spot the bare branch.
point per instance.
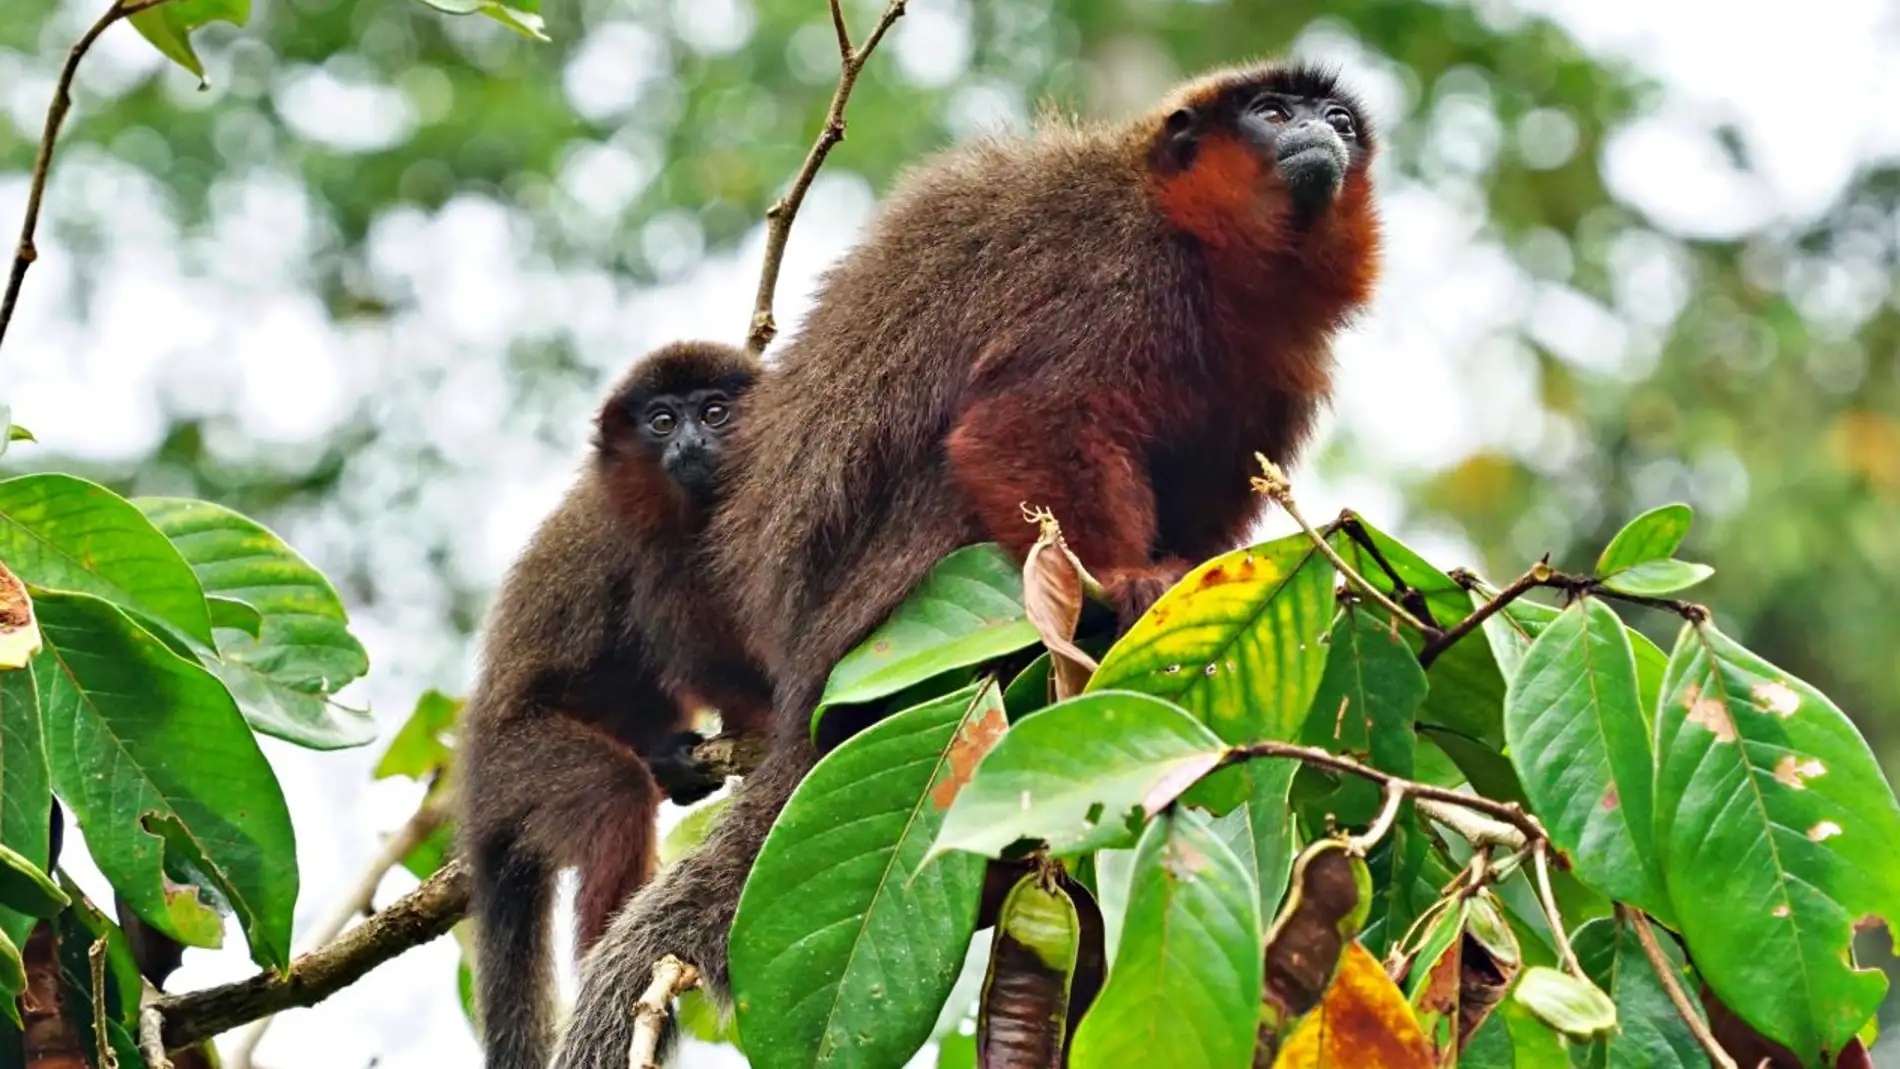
(1508, 812)
(1273, 483)
(27, 252)
(1667, 974)
(1539, 574)
(779, 217)
(410, 921)
(359, 902)
(1540, 857)
(671, 976)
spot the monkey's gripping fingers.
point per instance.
(1133, 591)
(681, 777)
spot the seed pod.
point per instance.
(1023, 1021)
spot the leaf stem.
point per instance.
(1274, 484)
(1388, 815)
(779, 217)
(1666, 972)
(27, 251)
(1540, 857)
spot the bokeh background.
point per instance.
(367, 285)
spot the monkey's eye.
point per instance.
(715, 413)
(1273, 113)
(662, 423)
(1340, 119)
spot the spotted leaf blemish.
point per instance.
(1777, 698)
(1795, 772)
(1824, 831)
(1709, 713)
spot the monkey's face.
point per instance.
(1306, 132)
(685, 434)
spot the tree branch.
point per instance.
(27, 252)
(671, 976)
(1540, 858)
(1666, 972)
(359, 902)
(779, 217)
(410, 921)
(1273, 483)
(1539, 573)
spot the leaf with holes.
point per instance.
(1649, 1032)
(1574, 723)
(1081, 775)
(968, 610)
(189, 803)
(1187, 971)
(1239, 642)
(1653, 536)
(65, 533)
(169, 27)
(1365, 707)
(849, 936)
(303, 650)
(1769, 802)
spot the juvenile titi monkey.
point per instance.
(1105, 320)
(604, 634)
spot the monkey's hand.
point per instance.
(1133, 591)
(674, 769)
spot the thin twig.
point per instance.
(1388, 815)
(671, 976)
(1407, 595)
(1508, 812)
(27, 252)
(1274, 484)
(779, 217)
(1578, 585)
(412, 920)
(1539, 573)
(1666, 972)
(361, 901)
(1540, 857)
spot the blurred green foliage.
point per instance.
(1763, 396)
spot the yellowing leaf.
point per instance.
(1363, 1022)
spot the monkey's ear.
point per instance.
(1180, 137)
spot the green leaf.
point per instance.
(1364, 708)
(12, 978)
(1487, 770)
(1562, 1001)
(1081, 775)
(521, 18)
(1650, 1032)
(1653, 536)
(1658, 578)
(26, 889)
(1511, 631)
(968, 610)
(1513, 1038)
(1574, 723)
(234, 615)
(1467, 693)
(691, 830)
(189, 795)
(1769, 802)
(169, 27)
(26, 789)
(65, 533)
(1238, 642)
(1187, 973)
(417, 750)
(847, 942)
(1260, 832)
(303, 651)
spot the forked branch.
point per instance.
(27, 252)
(779, 217)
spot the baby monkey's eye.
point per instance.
(1340, 119)
(662, 423)
(715, 413)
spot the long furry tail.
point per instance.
(686, 912)
(513, 976)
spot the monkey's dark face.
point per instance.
(1305, 129)
(685, 433)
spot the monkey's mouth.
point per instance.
(1312, 162)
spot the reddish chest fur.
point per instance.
(1276, 296)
